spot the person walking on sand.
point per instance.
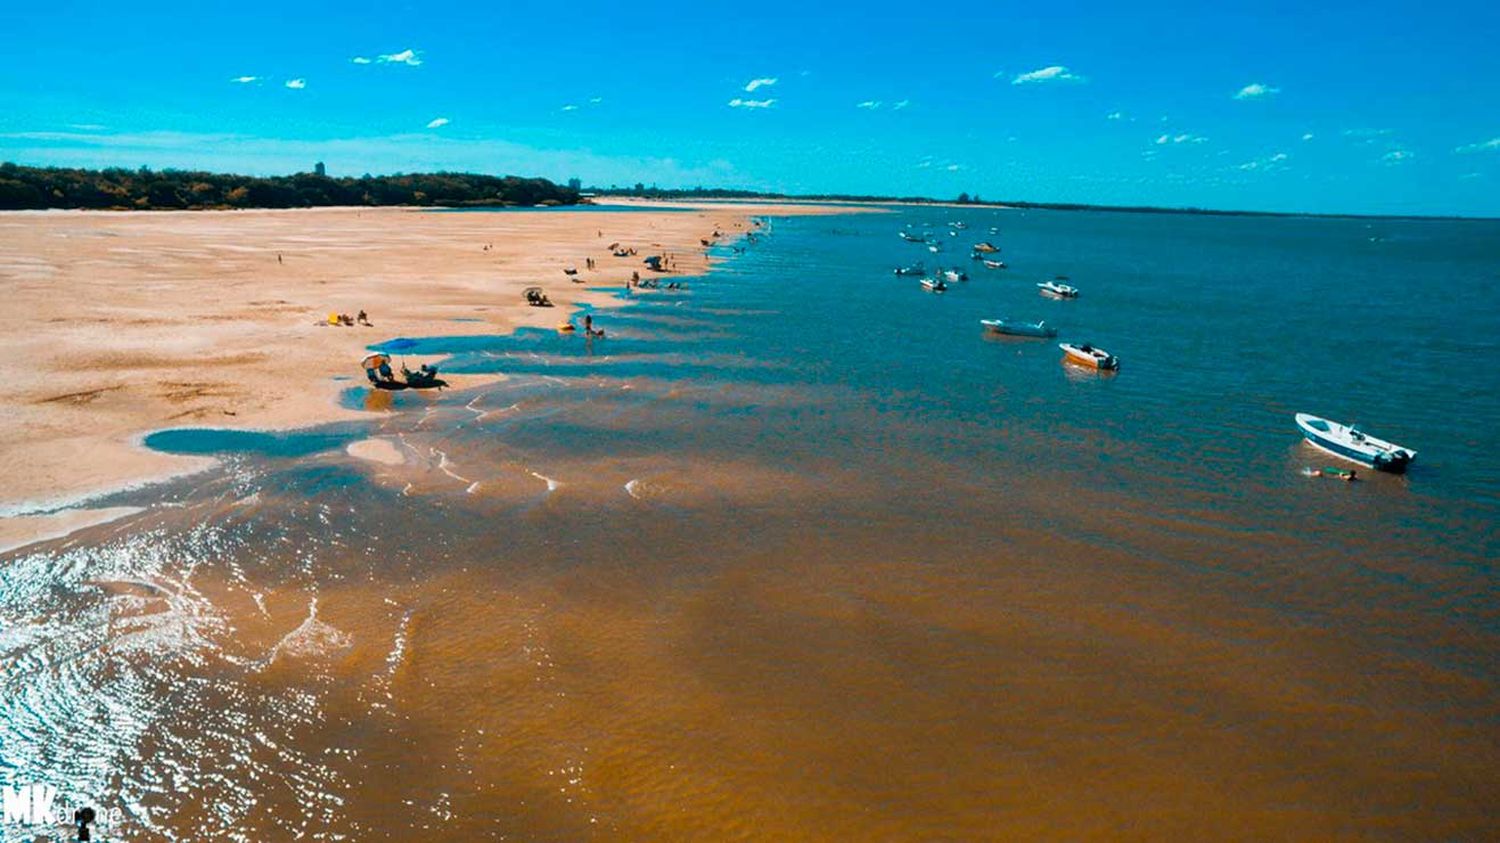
(278, 257)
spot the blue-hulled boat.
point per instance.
(1352, 444)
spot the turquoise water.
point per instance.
(799, 552)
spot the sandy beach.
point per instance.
(120, 323)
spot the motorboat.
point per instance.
(1087, 355)
(914, 269)
(934, 285)
(1349, 442)
(1017, 328)
(912, 238)
(989, 264)
(1062, 291)
(986, 247)
(955, 276)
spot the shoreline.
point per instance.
(124, 323)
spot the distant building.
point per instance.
(318, 169)
(575, 184)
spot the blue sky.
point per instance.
(1373, 107)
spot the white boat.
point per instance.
(914, 269)
(934, 285)
(1087, 355)
(1019, 329)
(986, 247)
(959, 224)
(1062, 291)
(1353, 444)
(989, 264)
(955, 276)
(935, 248)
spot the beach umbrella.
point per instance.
(375, 361)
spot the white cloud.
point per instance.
(1396, 156)
(437, 122)
(953, 168)
(1255, 91)
(245, 80)
(1491, 145)
(360, 60)
(1055, 73)
(922, 165)
(1182, 138)
(1115, 115)
(595, 100)
(1308, 136)
(759, 83)
(739, 103)
(1366, 135)
(900, 105)
(1273, 162)
(870, 104)
(296, 84)
(1468, 176)
(408, 57)
(569, 107)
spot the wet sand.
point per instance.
(119, 323)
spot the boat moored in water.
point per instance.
(1349, 442)
(934, 285)
(912, 238)
(986, 247)
(914, 269)
(989, 264)
(1016, 328)
(955, 276)
(1087, 355)
(1061, 291)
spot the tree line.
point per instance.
(147, 189)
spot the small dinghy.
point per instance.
(913, 238)
(934, 285)
(1015, 328)
(955, 276)
(989, 264)
(1352, 444)
(1087, 355)
(1056, 290)
(935, 248)
(914, 269)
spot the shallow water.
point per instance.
(798, 552)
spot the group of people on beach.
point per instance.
(344, 320)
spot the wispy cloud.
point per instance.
(408, 57)
(1396, 156)
(739, 103)
(360, 60)
(1255, 91)
(245, 80)
(1307, 136)
(296, 84)
(1491, 145)
(595, 100)
(1055, 73)
(1272, 162)
(437, 122)
(953, 168)
(569, 107)
(1115, 115)
(764, 81)
(900, 105)
(870, 104)
(1366, 135)
(1180, 138)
